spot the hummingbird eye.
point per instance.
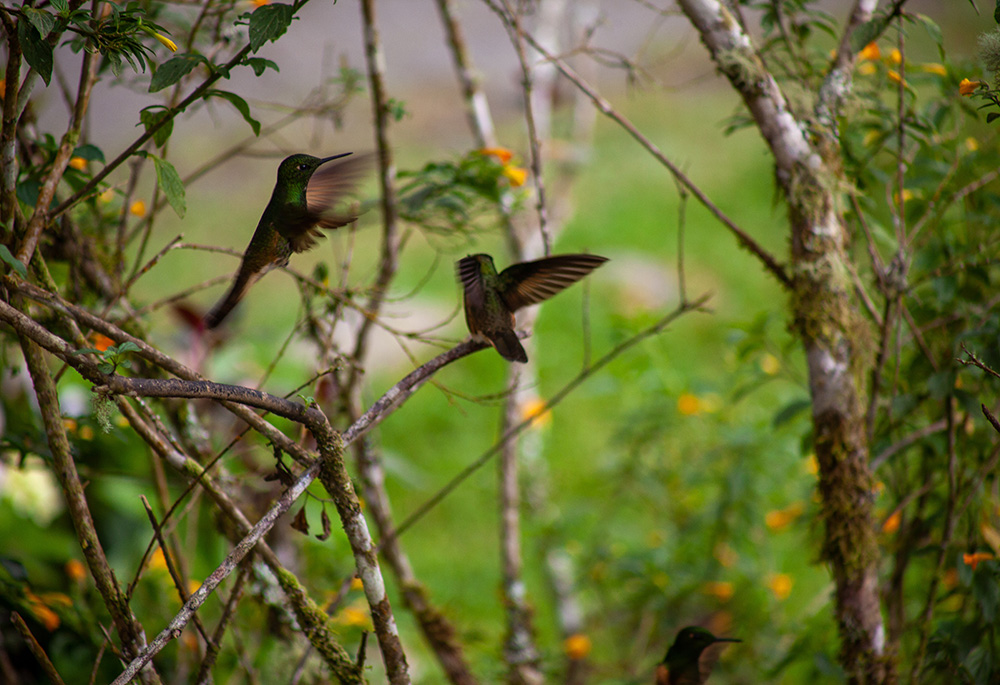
(303, 166)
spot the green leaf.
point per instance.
(13, 262)
(37, 52)
(996, 12)
(866, 33)
(789, 412)
(91, 153)
(60, 6)
(986, 591)
(87, 350)
(269, 22)
(151, 116)
(173, 70)
(933, 30)
(128, 346)
(171, 185)
(991, 117)
(260, 65)
(240, 104)
(106, 367)
(40, 19)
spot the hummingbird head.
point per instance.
(296, 170)
(690, 643)
(484, 262)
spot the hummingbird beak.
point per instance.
(726, 639)
(330, 159)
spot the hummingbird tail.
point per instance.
(232, 298)
(509, 346)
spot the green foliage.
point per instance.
(449, 197)
(12, 261)
(269, 22)
(171, 185)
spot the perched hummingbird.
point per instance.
(686, 662)
(491, 298)
(301, 204)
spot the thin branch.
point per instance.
(36, 649)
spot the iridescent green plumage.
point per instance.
(303, 202)
(491, 298)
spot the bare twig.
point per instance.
(36, 649)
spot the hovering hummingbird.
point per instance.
(491, 298)
(685, 662)
(301, 204)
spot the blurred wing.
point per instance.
(471, 279)
(531, 282)
(328, 193)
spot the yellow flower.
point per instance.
(75, 570)
(353, 616)
(86, 433)
(78, 163)
(121, 422)
(720, 589)
(107, 196)
(193, 586)
(169, 44)
(577, 646)
(356, 584)
(869, 52)
(688, 404)
(781, 585)
(934, 68)
(516, 175)
(867, 68)
(260, 3)
(895, 56)
(974, 559)
(535, 409)
(156, 560)
(812, 466)
(907, 196)
(894, 76)
(891, 524)
(138, 208)
(779, 519)
(770, 365)
(501, 153)
(967, 87)
(69, 425)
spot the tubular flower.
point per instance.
(870, 52)
(974, 559)
(501, 153)
(934, 68)
(515, 174)
(967, 87)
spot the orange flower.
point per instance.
(967, 87)
(719, 589)
(974, 559)
(870, 51)
(577, 646)
(891, 524)
(894, 76)
(101, 342)
(779, 519)
(138, 208)
(78, 163)
(934, 68)
(501, 153)
(75, 570)
(688, 404)
(895, 56)
(866, 68)
(781, 585)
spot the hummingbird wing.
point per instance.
(529, 283)
(472, 282)
(328, 200)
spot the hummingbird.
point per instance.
(491, 298)
(685, 662)
(301, 203)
